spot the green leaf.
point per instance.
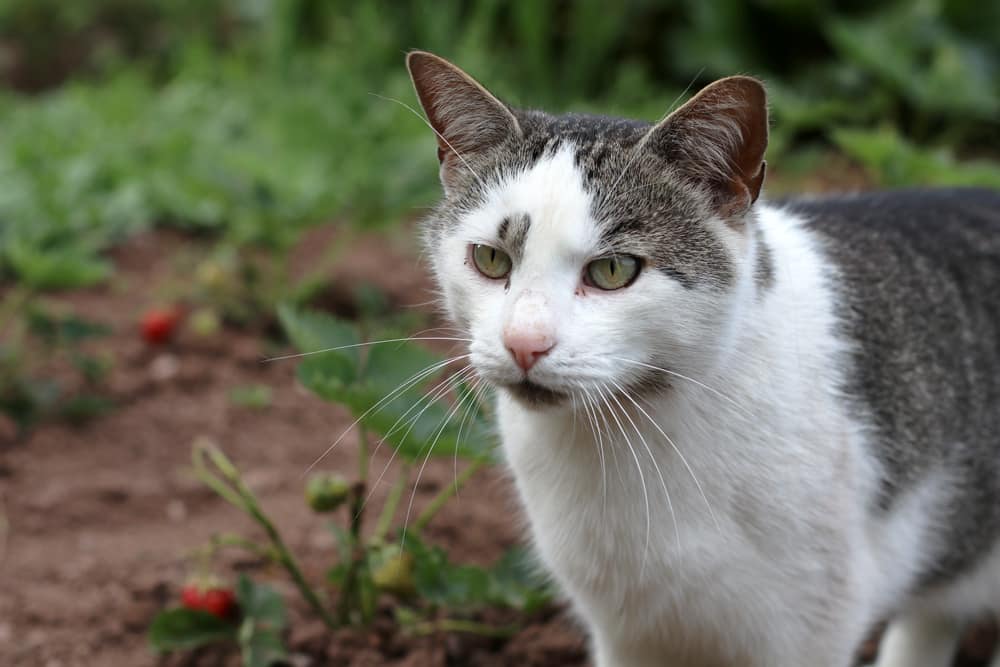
(416, 428)
(260, 647)
(188, 628)
(54, 268)
(68, 328)
(315, 333)
(517, 582)
(260, 604)
(390, 365)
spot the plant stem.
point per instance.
(391, 503)
(233, 540)
(362, 455)
(237, 493)
(445, 494)
(470, 627)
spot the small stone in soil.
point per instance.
(176, 510)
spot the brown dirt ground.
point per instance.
(104, 516)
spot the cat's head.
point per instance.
(586, 255)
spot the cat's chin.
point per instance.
(534, 395)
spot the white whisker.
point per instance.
(656, 466)
(354, 345)
(406, 384)
(689, 379)
(642, 478)
(676, 449)
(440, 136)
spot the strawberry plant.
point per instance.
(251, 616)
(401, 396)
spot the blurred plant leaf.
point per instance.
(188, 628)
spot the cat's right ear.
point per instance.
(465, 116)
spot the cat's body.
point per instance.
(742, 433)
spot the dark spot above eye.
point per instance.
(681, 277)
(502, 231)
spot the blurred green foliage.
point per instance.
(251, 119)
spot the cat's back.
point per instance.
(917, 279)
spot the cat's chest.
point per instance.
(624, 515)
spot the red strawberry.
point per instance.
(159, 324)
(219, 601)
(191, 597)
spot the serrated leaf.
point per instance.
(391, 365)
(188, 628)
(417, 428)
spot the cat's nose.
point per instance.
(527, 347)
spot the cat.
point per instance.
(742, 433)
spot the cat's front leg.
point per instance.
(920, 639)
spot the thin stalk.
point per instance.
(240, 542)
(362, 455)
(445, 494)
(391, 503)
(237, 493)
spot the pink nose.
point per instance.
(527, 348)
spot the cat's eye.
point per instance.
(490, 261)
(611, 273)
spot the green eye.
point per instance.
(611, 273)
(491, 262)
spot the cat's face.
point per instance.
(588, 256)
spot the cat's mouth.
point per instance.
(535, 394)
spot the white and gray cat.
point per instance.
(742, 433)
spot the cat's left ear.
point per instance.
(465, 116)
(717, 140)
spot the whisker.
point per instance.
(440, 136)
(689, 379)
(473, 404)
(353, 345)
(676, 449)
(663, 483)
(427, 457)
(439, 391)
(431, 397)
(406, 384)
(642, 478)
(594, 428)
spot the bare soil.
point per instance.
(103, 517)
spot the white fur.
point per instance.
(764, 553)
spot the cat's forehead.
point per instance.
(588, 183)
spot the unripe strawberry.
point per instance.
(395, 572)
(326, 492)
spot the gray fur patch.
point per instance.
(919, 277)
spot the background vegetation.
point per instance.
(250, 119)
